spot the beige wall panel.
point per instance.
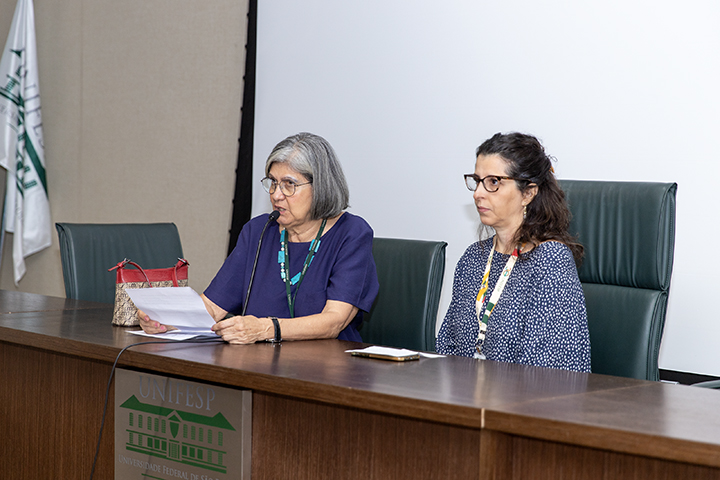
(141, 110)
(7, 8)
(59, 38)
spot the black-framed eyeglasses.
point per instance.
(287, 187)
(491, 182)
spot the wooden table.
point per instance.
(320, 413)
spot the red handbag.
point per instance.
(125, 313)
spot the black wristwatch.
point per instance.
(278, 335)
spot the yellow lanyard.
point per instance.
(483, 315)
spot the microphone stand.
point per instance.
(273, 216)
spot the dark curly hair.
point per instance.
(548, 216)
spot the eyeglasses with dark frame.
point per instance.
(491, 182)
(287, 187)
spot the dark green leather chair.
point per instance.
(87, 250)
(628, 231)
(410, 273)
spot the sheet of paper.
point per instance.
(180, 307)
(174, 335)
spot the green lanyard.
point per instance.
(284, 261)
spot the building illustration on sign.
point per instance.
(184, 437)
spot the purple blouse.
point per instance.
(343, 269)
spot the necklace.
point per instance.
(284, 261)
(483, 315)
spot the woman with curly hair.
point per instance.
(516, 294)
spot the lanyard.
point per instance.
(483, 315)
(284, 261)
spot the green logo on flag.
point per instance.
(24, 143)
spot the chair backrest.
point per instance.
(628, 231)
(88, 250)
(410, 273)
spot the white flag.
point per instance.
(27, 210)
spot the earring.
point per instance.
(524, 211)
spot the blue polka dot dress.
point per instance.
(540, 318)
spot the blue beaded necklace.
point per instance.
(284, 261)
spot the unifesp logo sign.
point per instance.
(166, 428)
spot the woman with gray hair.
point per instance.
(315, 272)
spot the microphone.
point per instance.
(271, 218)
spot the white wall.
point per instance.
(405, 91)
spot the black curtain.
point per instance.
(242, 201)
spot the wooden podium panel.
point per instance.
(50, 411)
(520, 458)
(306, 440)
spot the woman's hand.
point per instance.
(335, 316)
(244, 330)
(151, 326)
